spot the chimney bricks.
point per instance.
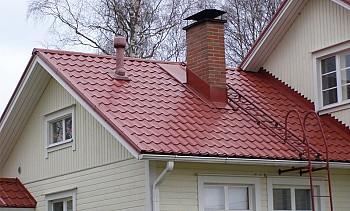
(206, 66)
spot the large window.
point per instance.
(332, 78)
(60, 130)
(61, 201)
(217, 193)
(293, 194)
(335, 74)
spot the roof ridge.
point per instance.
(96, 55)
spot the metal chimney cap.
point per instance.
(206, 14)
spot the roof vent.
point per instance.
(119, 45)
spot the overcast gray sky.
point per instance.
(18, 37)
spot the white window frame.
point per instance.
(317, 56)
(61, 196)
(296, 182)
(252, 182)
(53, 117)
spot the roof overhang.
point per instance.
(238, 161)
(22, 104)
(275, 31)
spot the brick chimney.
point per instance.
(206, 67)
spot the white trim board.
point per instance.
(238, 161)
(82, 102)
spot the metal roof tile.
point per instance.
(161, 115)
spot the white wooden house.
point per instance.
(85, 132)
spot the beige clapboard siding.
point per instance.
(179, 191)
(322, 23)
(94, 144)
(116, 186)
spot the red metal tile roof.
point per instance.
(158, 114)
(13, 194)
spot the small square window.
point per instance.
(60, 130)
(61, 201)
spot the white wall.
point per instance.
(322, 23)
(179, 191)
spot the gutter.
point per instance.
(242, 161)
(155, 190)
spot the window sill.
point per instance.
(334, 107)
(59, 145)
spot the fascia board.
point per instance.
(239, 161)
(88, 107)
(264, 35)
(345, 4)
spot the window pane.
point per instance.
(345, 76)
(346, 92)
(57, 131)
(68, 128)
(70, 205)
(329, 81)
(328, 65)
(58, 206)
(281, 199)
(303, 199)
(238, 198)
(344, 61)
(330, 96)
(214, 198)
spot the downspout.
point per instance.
(155, 190)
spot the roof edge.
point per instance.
(238, 161)
(263, 33)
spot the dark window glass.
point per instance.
(330, 96)
(345, 76)
(329, 81)
(303, 199)
(281, 199)
(57, 131)
(328, 65)
(68, 128)
(346, 92)
(58, 206)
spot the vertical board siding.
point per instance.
(116, 186)
(322, 23)
(179, 191)
(94, 144)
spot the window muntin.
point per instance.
(335, 79)
(226, 197)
